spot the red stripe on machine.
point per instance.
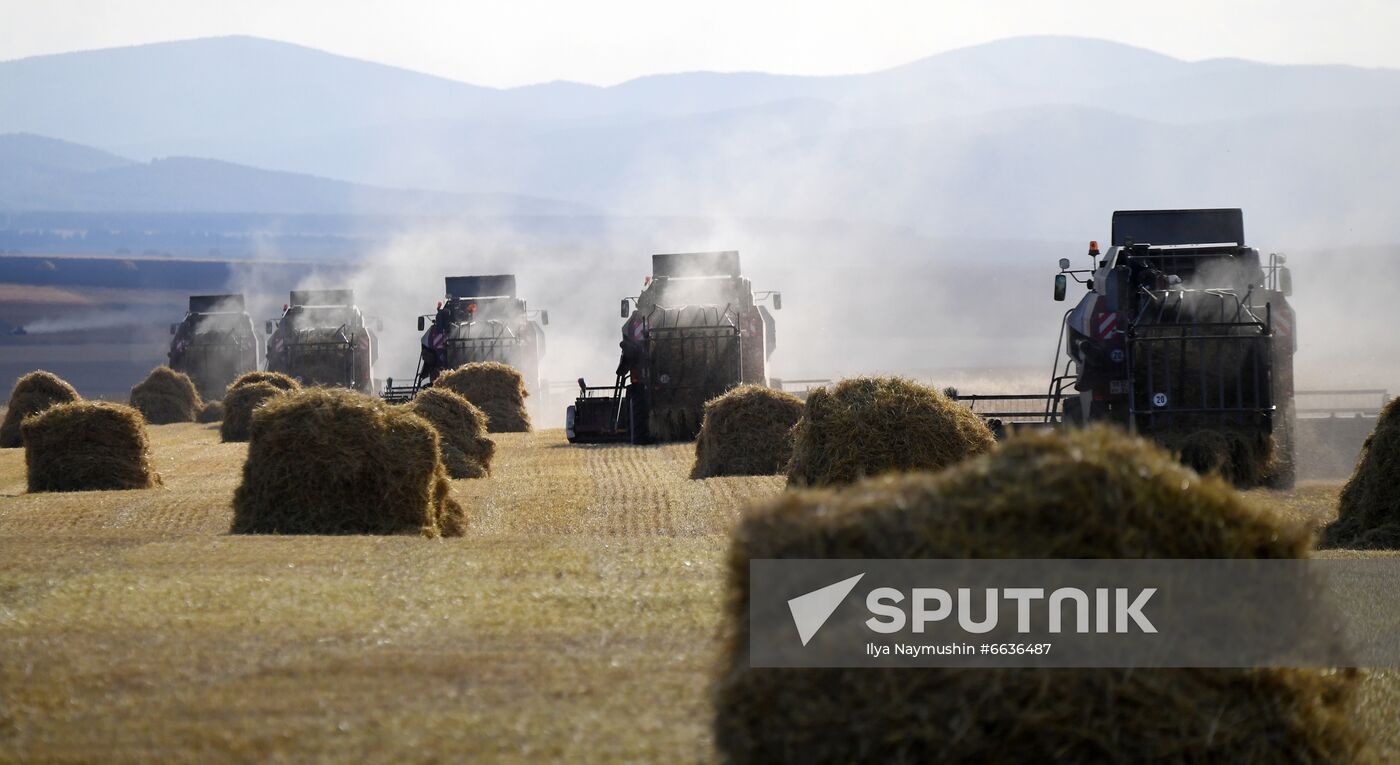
(1107, 323)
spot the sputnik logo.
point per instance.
(810, 611)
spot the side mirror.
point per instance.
(1285, 282)
(174, 328)
(1061, 284)
(626, 311)
(379, 324)
(420, 323)
(544, 318)
(271, 326)
(777, 301)
(1064, 264)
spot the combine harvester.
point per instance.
(1184, 329)
(214, 344)
(697, 330)
(481, 319)
(322, 339)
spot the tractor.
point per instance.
(697, 330)
(480, 319)
(322, 339)
(214, 344)
(1185, 328)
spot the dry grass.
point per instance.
(578, 620)
(236, 424)
(746, 431)
(166, 397)
(333, 461)
(1090, 494)
(497, 389)
(869, 426)
(1369, 510)
(87, 446)
(33, 393)
(466, 451)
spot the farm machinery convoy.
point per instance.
(1183, 328)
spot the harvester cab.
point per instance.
(696, 330)
(479, 319)
(322, 339)
(1184, 328)
(214, 344)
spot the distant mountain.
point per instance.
(51, 175)
(23, 155)
(1040, 136)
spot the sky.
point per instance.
(515, 42)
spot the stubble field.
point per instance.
(577, 620)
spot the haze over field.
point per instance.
(911, 215)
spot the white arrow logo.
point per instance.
(810, 611)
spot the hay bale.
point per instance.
(496, 389)
(1089, 494)
(32, 394)
(332, 461)
(239, 405)
(1368, 513)
(276, 379)
(466, 451)
(1246, 459)
(747, 431)
(166, 397)
(212, 411)
(871, 425)
(87, 446)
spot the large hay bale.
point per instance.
(466, 451)
(87, 446)
(497, 389)
(332, 461)
(32, 394)
(239, 405)
(166, 397)
(212, 411)
(276, 379)
(747, 431)
(1244, 458)
(871, 425)
(1090, 494)
(1368, 513)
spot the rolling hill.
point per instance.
(1036, 137)
(51, 175)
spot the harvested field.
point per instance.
(578, 620)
